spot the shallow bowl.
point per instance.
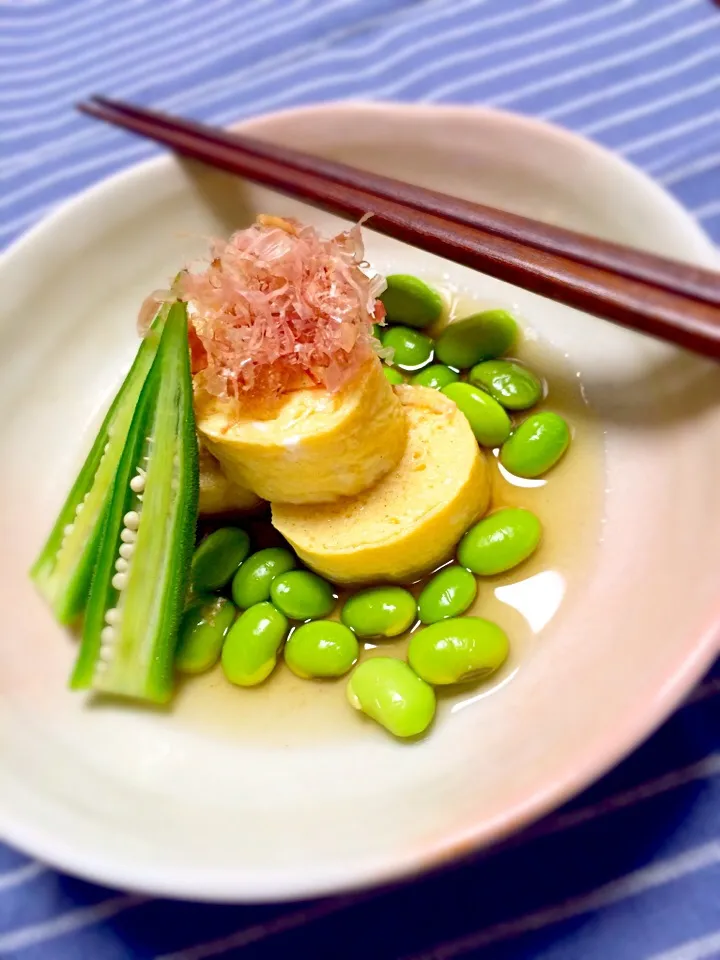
(175, 804)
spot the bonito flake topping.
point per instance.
(279, 308)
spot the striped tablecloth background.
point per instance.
(632, 868)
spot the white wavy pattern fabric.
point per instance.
(632, 868)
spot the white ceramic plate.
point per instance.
(202, 806)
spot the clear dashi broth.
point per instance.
(526, 602)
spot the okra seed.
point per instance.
(101, 666)
(137, 484)
(119, 581)
(68, 530)
(128, 536)
(107, 635)
(121, 564)
(112, 616)
(131, 520)
(78, 509)
(127, 550)
(106, 448)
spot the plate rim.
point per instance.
(471, 113)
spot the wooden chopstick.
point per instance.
(681, 278)
(663, 298)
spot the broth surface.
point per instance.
(526, 602)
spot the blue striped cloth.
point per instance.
(629, 870)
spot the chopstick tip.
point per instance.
(92, 105)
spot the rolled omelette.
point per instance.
(412, 519)
(319, 446)
(217, 493)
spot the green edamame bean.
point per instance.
(393, 375)
(250, 651)
(448, 594)
(511, 384)
(322, 648)
(252, 581)
(390, 693)
(380, 612)
(409, 301)
(500, 541)
(302, 595)
(456, 650)
(218, 557)
(487, 419)
(536, 445)
(202, 631)
(482, 336)
(411, 348)
(436, 376)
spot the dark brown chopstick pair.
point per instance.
(660, 297)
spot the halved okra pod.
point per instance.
(64, 569)
(141, 577)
